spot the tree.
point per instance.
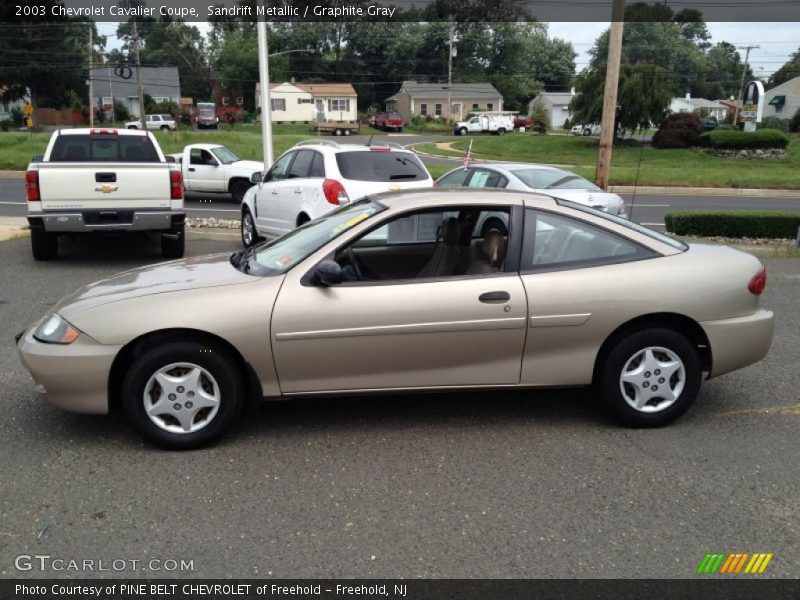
(644, 95)
(725, 71)
(789, 70)
(540, 117)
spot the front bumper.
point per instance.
(72, 377)
(107, 220)
(739, 342)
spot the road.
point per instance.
(478, 485)
(647, 209)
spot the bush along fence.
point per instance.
(735, 224)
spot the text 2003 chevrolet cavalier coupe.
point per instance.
(408, 291)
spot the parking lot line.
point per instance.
(23, 203)
(212, 210)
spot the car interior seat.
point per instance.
(447, 253)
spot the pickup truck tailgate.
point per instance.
(89, 186)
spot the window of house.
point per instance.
(475, 106)
(225, 101)
(490, 106)
(423, 110)
(160, 99)
(778, 109)
(339, 104)
(239, 100)
(438, 110)
(278, 103)
(305, 101)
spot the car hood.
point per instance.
(250, 166)
(187, 274)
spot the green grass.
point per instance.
(672, 167)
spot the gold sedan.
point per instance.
(404, 292)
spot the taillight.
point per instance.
(334, 192)
(176, 185)
(379, 148)
(758, 283)
(32, 186)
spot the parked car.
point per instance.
(207, 116)
(215, 168)
(587, 130)
(314, 177)
(571, 297)
(161, 122)
(494, 123)
(558, 183)
(391, 121)
(708, 125)
(102, 180)
(522, 121)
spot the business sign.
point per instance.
(752, 103)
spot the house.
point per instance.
(557, 104)
(6, 106)
(716, 110)
(161, 83)
(305, 102)
(430, 100)
(783, 100)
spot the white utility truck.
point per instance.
(92, 180)
(215, 168)
(494, 123)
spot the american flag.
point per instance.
(468, 156)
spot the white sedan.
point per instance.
(527, 177)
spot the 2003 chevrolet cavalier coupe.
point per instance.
(408, 291)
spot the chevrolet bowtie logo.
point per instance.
(106, 189)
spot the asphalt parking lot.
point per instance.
(489, 485)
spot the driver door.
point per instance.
(203, 168)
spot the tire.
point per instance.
(165, 128)
(209, 376)
(248, 229)
(302, 219)
(238, 189)
(44, 244)
(346, 132)
(462, 131)
(132, 127)
(493, 223)
(587, 132)
(501, 131)
(337, 132)
(661, 348)
(173, 244)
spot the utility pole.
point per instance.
(142, 112)
(91, 83)
(263, 76)
(450, 73)
(608, 124)
(744, 74)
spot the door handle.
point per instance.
(298, 191)
(274, 192)
(191, 169)
(494, 297)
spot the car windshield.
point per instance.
(280, 255)
(554, 179)
(226, 155)
(380, 166)
(664, 239)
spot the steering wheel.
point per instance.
(351, 257)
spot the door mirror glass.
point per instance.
(329, 272)
(256, 177)
(170, 159)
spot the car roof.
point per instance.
(444, 196)
(337, 147)
(206, 146)
(88, 130)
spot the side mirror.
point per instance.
(256, 177)
(38, 158)
(170, 159)
(329, 272)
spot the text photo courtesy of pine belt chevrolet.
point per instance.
(316, 176)
(404, 292)
(104, 180)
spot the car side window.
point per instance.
(554, 242)
(454, 179)
(317, 166)
(484, 178)
(301, 167)
(199, 157)
(280, 168)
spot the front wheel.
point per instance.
(501, 131)
(183, 394)
(239, 189)
(462, 131)
(173, 243)
(165, 128)
(650, 378)
(248, 229)
(587, 132)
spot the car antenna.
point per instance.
(369, 142)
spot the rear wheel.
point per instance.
(650, 378)
(44, 244)
(165, 128)
(238, 189)
(173, 244)
(183, 394)
(501, 131)
(347, 132)
(302, 219)
(587, 132)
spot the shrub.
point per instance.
(774, 123)
(121, 112)
(727, 127)
(736, 224)
(165, 108)
(540, 117)
(678, 130)
(794, 122)
(567, 125)
(5, 124)
(17, 116)
(744, 140)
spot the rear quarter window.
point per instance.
(380, 166)
(104, 148)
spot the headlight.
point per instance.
(55, 330)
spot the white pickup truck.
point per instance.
(497, 124)
(104, 180)
(215, 168)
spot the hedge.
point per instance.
(678, 130)
(736, 224)
(744, 140)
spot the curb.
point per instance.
(12, 174)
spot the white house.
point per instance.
(783, 100)
(689, 105)
(306, 102)
(557, 104)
